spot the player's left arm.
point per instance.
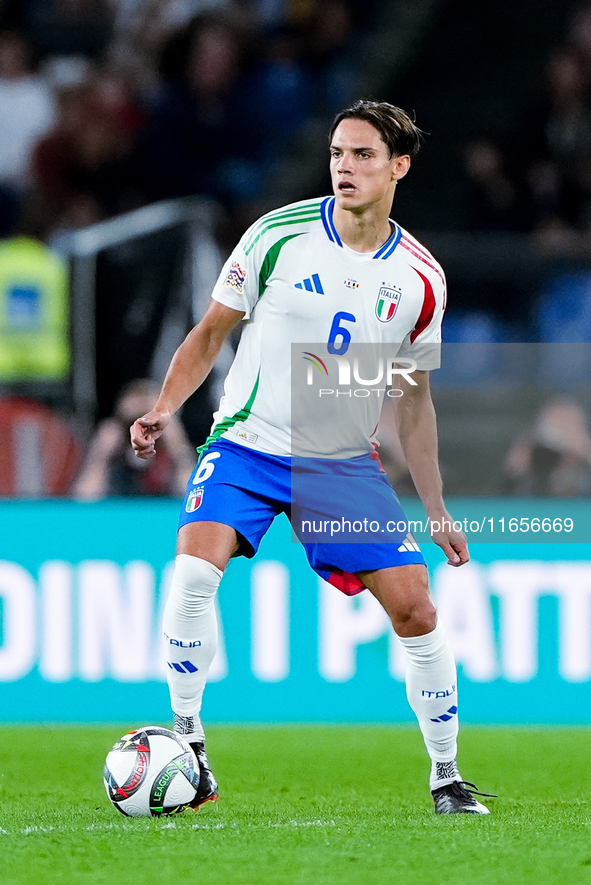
(417, 429)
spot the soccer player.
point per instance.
(334, 270)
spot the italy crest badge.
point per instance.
(194, 500)
(387, 302)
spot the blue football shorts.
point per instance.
(345, 512)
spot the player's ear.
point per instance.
(400, 166)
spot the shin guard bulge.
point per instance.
(190, 637)
(431, 688)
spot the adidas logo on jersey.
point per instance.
(311, 284)
(409, 545)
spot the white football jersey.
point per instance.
(299, 284)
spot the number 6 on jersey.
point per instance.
(338, 331)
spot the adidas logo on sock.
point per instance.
(409, 545)
(311, 284)
(445, 717)
(183, 667)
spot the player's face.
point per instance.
(363, 174)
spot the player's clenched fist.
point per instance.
(146, 430)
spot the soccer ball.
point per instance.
(151, 771)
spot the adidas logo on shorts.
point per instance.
(409, 545)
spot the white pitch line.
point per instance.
(165, 825)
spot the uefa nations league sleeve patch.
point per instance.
(236, 277)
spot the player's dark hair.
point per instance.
(395, 126)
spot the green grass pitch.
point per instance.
(302, 805)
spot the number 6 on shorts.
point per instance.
(205, 467)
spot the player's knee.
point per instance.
(415, 619)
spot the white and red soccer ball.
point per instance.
(150, 772)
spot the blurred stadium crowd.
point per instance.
(536, 177)
(106, 105)
(110, 105)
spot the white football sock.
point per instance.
(190, 638)
(431, 689)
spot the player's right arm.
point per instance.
(189, 367)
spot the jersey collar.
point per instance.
(326, 211)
